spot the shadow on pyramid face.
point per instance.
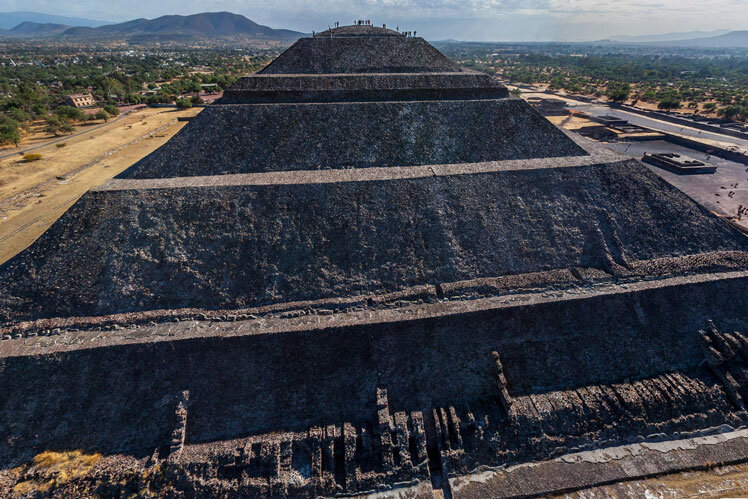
(324, 269)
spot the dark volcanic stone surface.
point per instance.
(260, 138)
(251, 245)
(359, 30)
(257, 89)
(360, 55)
(123, 397)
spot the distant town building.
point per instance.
(80, 100)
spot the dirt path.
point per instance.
(34, 195)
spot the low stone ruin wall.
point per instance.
(127, 397)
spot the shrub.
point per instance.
(50, 470)
(9, 133)
(31, 157)
(70, 113)
(133, 99)
(184, 103)
(57, 126)
(111, 110)
(735, 112)
(102, 115)
(669, 103)
(60, 145)
(18, 114)
(618, 92)
(153, 100)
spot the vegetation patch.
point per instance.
(705, 81)
(50, 470)
(31, 157)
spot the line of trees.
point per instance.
(35, 86)
(710, 80)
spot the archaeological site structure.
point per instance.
(368, 270)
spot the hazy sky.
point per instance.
(439, 19)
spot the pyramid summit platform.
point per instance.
(367, 269)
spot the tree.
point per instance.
(649, 96)
(110, 87)
(32, 98)
(133, 99)
(9, 133)
(710, 107)
(111, 110)
(70, 113)
(557, 83)
(18, 114)
(153, 100)
(102, 115)
(516, 92)
(734, 112)
(66, 127)
(53, 125)
(197, 100)
(57, 126)
(618, 92)
(668, 103)
(184, 103)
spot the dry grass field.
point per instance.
(34, 194)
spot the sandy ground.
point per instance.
(34, 195)
(569, 122)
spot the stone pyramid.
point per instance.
(367, 268)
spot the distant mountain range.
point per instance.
(31, 29)
(730, 39)
(209, 24)
(668, 37)
(737, 39)
(9, 20)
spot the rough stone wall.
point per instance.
(360, 55)
(436, 81)
(423, 453)
(258, 89)
(234, 247)
(260, 138)
(132, 397)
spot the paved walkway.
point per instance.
(599, 109)
(598, 155)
